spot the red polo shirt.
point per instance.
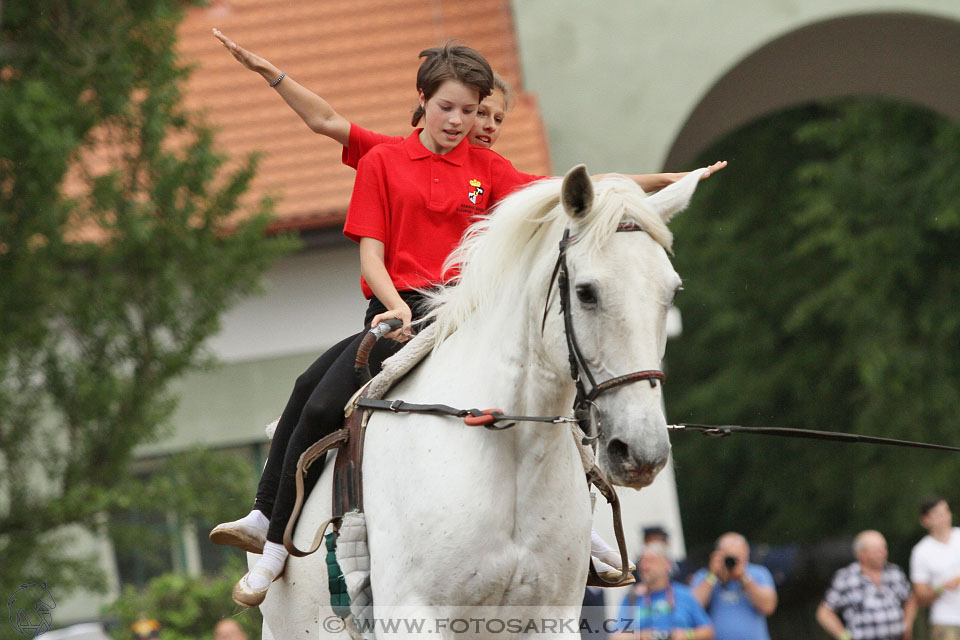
(419, 203)
(362, 140)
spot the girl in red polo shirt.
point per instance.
(411, 203)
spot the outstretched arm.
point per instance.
(312, 109)
(651, 182)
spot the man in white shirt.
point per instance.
(935, 569)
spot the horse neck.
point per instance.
(497, 360)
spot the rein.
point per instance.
(722, 431)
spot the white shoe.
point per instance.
(610, 562)
(239, 534)
(248, 597)
(610, 574)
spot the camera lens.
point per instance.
(730, 562)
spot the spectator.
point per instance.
(935, 569)
(228, 629)
(593, 615)
(658, 605)
(656, 533)
(871, 595)
(739, 596)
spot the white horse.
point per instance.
(462, 517)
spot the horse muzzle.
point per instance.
(634, 462)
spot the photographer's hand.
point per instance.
(738, 572)
(716, 566)
(703, 591)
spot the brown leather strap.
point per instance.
(347, 471)
(597, 479)
(308, 457)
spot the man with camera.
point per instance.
(658, 609)
(738, 595)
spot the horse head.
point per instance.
(619, 287)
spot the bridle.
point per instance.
(585, 410)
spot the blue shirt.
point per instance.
(734, 618)
(672, 608)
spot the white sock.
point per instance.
(603, 552)
(597, 544)
(256, 519)
(271, 562)
(601, 566)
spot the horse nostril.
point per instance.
(618, 451)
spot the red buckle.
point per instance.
(488, 417)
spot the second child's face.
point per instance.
(449, 115)
(490, 115)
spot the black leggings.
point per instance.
(314, 410)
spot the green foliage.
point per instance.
(822, 291)
(108, 294)
(194, 487)
(187, 608)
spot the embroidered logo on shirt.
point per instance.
(474, 195)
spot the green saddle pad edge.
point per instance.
(339, 598)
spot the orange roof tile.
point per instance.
(361, 56)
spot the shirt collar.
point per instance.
(416, 150)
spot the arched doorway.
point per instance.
(905, 56)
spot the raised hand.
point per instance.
(248, 59)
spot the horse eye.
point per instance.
(586, 294)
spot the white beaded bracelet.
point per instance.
(283, 74)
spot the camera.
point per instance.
(729, 562)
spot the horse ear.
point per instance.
(671, 200)
(576, 194)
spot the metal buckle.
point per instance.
(594, 422)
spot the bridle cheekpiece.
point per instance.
(585, 409)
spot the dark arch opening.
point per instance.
(900, 55)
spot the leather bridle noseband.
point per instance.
(585, 409)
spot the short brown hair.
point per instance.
(452, 62)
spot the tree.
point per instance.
(822, 291)
(110, 281)
(186, 607)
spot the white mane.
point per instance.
(515, 246)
